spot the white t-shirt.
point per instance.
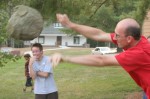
(44, 85)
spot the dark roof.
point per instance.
(51, 30)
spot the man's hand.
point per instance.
(64, 20)
(56, 59)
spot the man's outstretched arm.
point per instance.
(89, 60)
(87, 31)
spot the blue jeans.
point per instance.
(144, 95)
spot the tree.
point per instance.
(102, 14)
(5, 12)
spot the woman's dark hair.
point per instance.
(27, 55)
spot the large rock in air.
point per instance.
(25, 23)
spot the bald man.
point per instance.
(135, 59)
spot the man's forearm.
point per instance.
(91, 60)
(42, 74)
(32, 73)
(87, 31)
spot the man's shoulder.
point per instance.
(46, 57)
(136, 53)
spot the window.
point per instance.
(58, 25)
(41, 39)
(76, 40)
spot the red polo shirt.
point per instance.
(136, 61)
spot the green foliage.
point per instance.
(3, 22)
(142, 8)
(49, 8)
(103, 14)
(104, 19)
(7, 57)
(18, 43)
(5, 12)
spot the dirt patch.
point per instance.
(22, 50)
(134, 95)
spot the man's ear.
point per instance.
(129, 39)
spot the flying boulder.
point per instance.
(26, 23)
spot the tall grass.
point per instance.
(73, 81)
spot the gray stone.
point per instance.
(25, 23)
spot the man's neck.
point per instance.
(135, 43)
(39, 59)
(132, 44)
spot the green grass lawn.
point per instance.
(73, 81)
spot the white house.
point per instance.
(146, 25)
(52, 36)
